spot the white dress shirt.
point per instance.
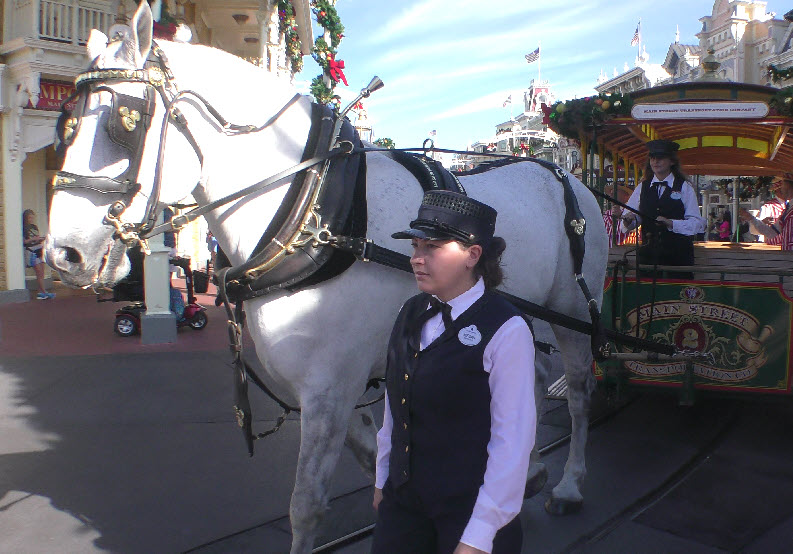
(509, 359)
(693, 221)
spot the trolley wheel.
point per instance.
(125, 325)
(199, 321)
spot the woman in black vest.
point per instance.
(460, 418)
(666, 194)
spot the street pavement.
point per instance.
(109, 445)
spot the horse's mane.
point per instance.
(242, 92)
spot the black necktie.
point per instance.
(657, 186)
(435, 307)
(444, 309)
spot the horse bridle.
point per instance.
(129, 124)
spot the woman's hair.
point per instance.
(647, 176)
(25, 215)
(489, 265)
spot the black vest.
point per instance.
(671, 248)
(440, 403)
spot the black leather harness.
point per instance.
(320, 228)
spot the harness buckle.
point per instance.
(179, 221)
(346, 146)
(365, 250)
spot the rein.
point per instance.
(302, 227)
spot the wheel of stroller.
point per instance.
(199, 321)
(125, 325)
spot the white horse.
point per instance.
(321, 344)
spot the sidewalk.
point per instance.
(74, 323)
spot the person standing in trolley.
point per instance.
(780, 231)
(666, 194)
(460, 418)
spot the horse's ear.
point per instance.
(142, 25)
(97, 42)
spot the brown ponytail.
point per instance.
(489, 265)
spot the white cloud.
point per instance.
(433, 15)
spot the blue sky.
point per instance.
(448, 65)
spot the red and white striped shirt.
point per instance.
(784, 226)
(623, 237)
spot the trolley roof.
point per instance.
(723, 128)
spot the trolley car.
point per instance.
(738, 307)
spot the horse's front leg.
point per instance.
(324, 421)
(566, 497)
(362, 439)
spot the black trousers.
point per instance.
(405, 527)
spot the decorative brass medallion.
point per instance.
(156, 76)
(578, 225)
(129, 118)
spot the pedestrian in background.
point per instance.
(779, 233)
(34, 248)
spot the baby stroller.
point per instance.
(127, 322)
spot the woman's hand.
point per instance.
(664, 221)
(378, 496)
(465, 549)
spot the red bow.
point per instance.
(336, 72)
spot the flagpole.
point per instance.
(639, 51)
(539, 62)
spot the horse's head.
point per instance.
(105, 191)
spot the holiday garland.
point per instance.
(325, 54)
(569, 118)
(780, 74)
(288, 27)
(782, 102)
(385, 143)
(748, 187)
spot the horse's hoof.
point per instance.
(536, 483)
(560, 507)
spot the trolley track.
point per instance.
(651, 498)
(609, 411)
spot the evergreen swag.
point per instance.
(780, 74)
(570, 118)
(748, 187)
(385, 143)
(288, 26)
(323, 53)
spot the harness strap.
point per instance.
(366, 250)
(180, 221)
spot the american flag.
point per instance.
(433, 133)
(534, 56)
(507, 101)
(636, 35)
(622, 237)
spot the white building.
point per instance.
(43, 48)
(525, 134)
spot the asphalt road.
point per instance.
(110, 446)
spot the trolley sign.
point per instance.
(745, 326)
(700, 110)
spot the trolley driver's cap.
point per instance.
(662, 148)
(447, 215)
